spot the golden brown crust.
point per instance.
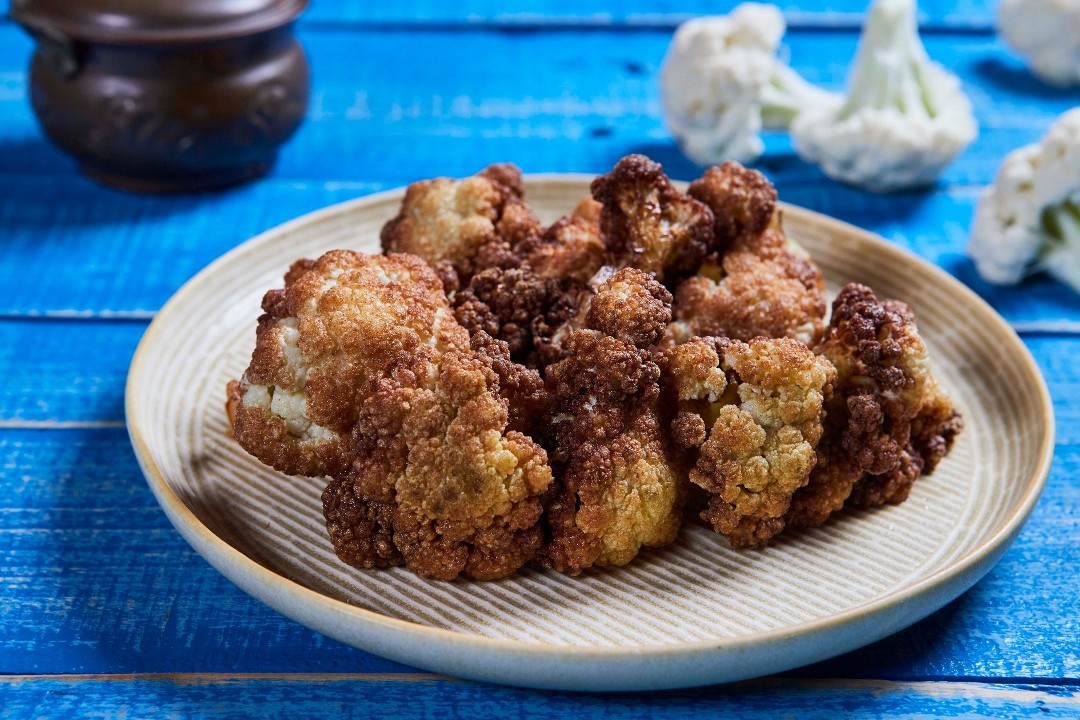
(756, 283)
(617, 487)
(752, 414)
(333, 328)
(503, 303)
(649, 225)
(631, 309)
(472, 224)
(571, 248)
(888, 420)
(521, 308)
(424, 409)
(743, 203)
(463, 492)
(521, 386)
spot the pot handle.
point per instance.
(57, 47)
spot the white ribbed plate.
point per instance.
(691, 614)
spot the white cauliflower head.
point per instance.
(1047, 34)
(1029, 220)
(905, 117)
(721, 82)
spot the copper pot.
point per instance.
(171, 95)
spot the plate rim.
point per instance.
(285, 595)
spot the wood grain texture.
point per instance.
(974, 15)
(432, 696)
(94, 580)
(112, 255)
(64, 371)
(556, 100)
(966, 15)
(73, 371)
(576, 109)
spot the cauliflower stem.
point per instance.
(1060, 251)
(904, 118)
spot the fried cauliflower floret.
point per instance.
(888, 420)
(471, 224)
(571, 248)
(437, 483)
(521, 386)
(503, 303)
(649, 225)
(758, 283)
(331, 330)
(752, 412)
(521, 308)
(617, 486)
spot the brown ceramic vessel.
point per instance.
(170, 95)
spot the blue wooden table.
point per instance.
(106, 612)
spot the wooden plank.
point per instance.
(72, 372)
(65, 371)
(555, 101)
(965, 14)
(576, 110)
(112, 255)
(431, 696)
(93, 580)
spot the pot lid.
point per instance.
(136, 21)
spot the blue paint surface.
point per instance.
(94, 580)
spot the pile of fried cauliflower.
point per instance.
(492, 393)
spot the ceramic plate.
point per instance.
(691, 614)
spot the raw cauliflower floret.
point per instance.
(469, 224)
(758, 282)
(332, 330)
(721, 82)
(1047, 33)
(1029, 220)
(437, 483)
(752, 414)
(649, 225)
(617, 487)
(888, 420)
(904, 119)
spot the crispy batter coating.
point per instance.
(756, 283)
(521, 308)
(424, 409)
(888, 420)
(753, 413)
(617, 487)
(472, 224)
(649, 225)
(437, 482)
(571, 248)
(630, 309)
(521, 386)
(333, 328)
(503, 303)
(742, 200)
